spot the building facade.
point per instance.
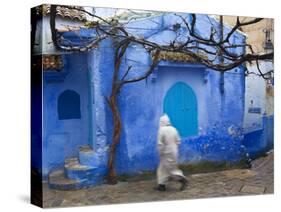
(259, 92)
(205, 106)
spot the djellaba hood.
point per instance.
(164, 121)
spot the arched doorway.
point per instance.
(180, 104)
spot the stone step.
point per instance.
(79, 172)
(58, 180)
(88, 157)
(85, 149)
(75, 171)
(71, 161)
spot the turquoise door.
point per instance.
(180, 105)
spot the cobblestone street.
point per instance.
(257, 180)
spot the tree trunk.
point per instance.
(111, 178)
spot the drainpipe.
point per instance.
(221, 60)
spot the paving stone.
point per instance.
(258, 180)
(239, 173)
(253, 189)
(269, 189)
(56, 203)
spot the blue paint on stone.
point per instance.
(259, 141)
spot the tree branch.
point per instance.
(118, 32)
(155, 60)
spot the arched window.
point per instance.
(180, 104)
(69, 105)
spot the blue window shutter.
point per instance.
(180, 104)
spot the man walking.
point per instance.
(168, 141)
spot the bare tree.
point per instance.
(210, 51)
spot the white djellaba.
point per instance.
(168, 142)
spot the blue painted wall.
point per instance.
(62, 138)
(36, 119)
(219, 131)
(220, 114)
(261, 140)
